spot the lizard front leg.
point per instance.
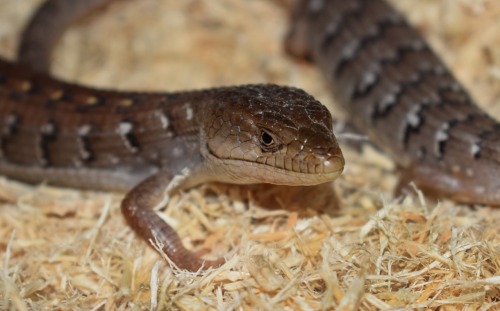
(138, 210)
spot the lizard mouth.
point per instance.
(310, 167)
(250, 172)
(311, 172)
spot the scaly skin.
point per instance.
(397, 90)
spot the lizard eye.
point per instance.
(267, 141)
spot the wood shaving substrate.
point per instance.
(286, 248)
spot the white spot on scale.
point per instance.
(442, 134)
(412, 118)
(84, 130)
(350, 49)
(475, 149)
(48, 129)
(189, 112)
(163, 119)
(368, 79)
(124, 128)
(387, 101)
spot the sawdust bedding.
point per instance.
(286, 248)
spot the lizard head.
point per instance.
(271, 134)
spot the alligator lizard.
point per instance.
(379, 68)
(78, 136)
(397, 90)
